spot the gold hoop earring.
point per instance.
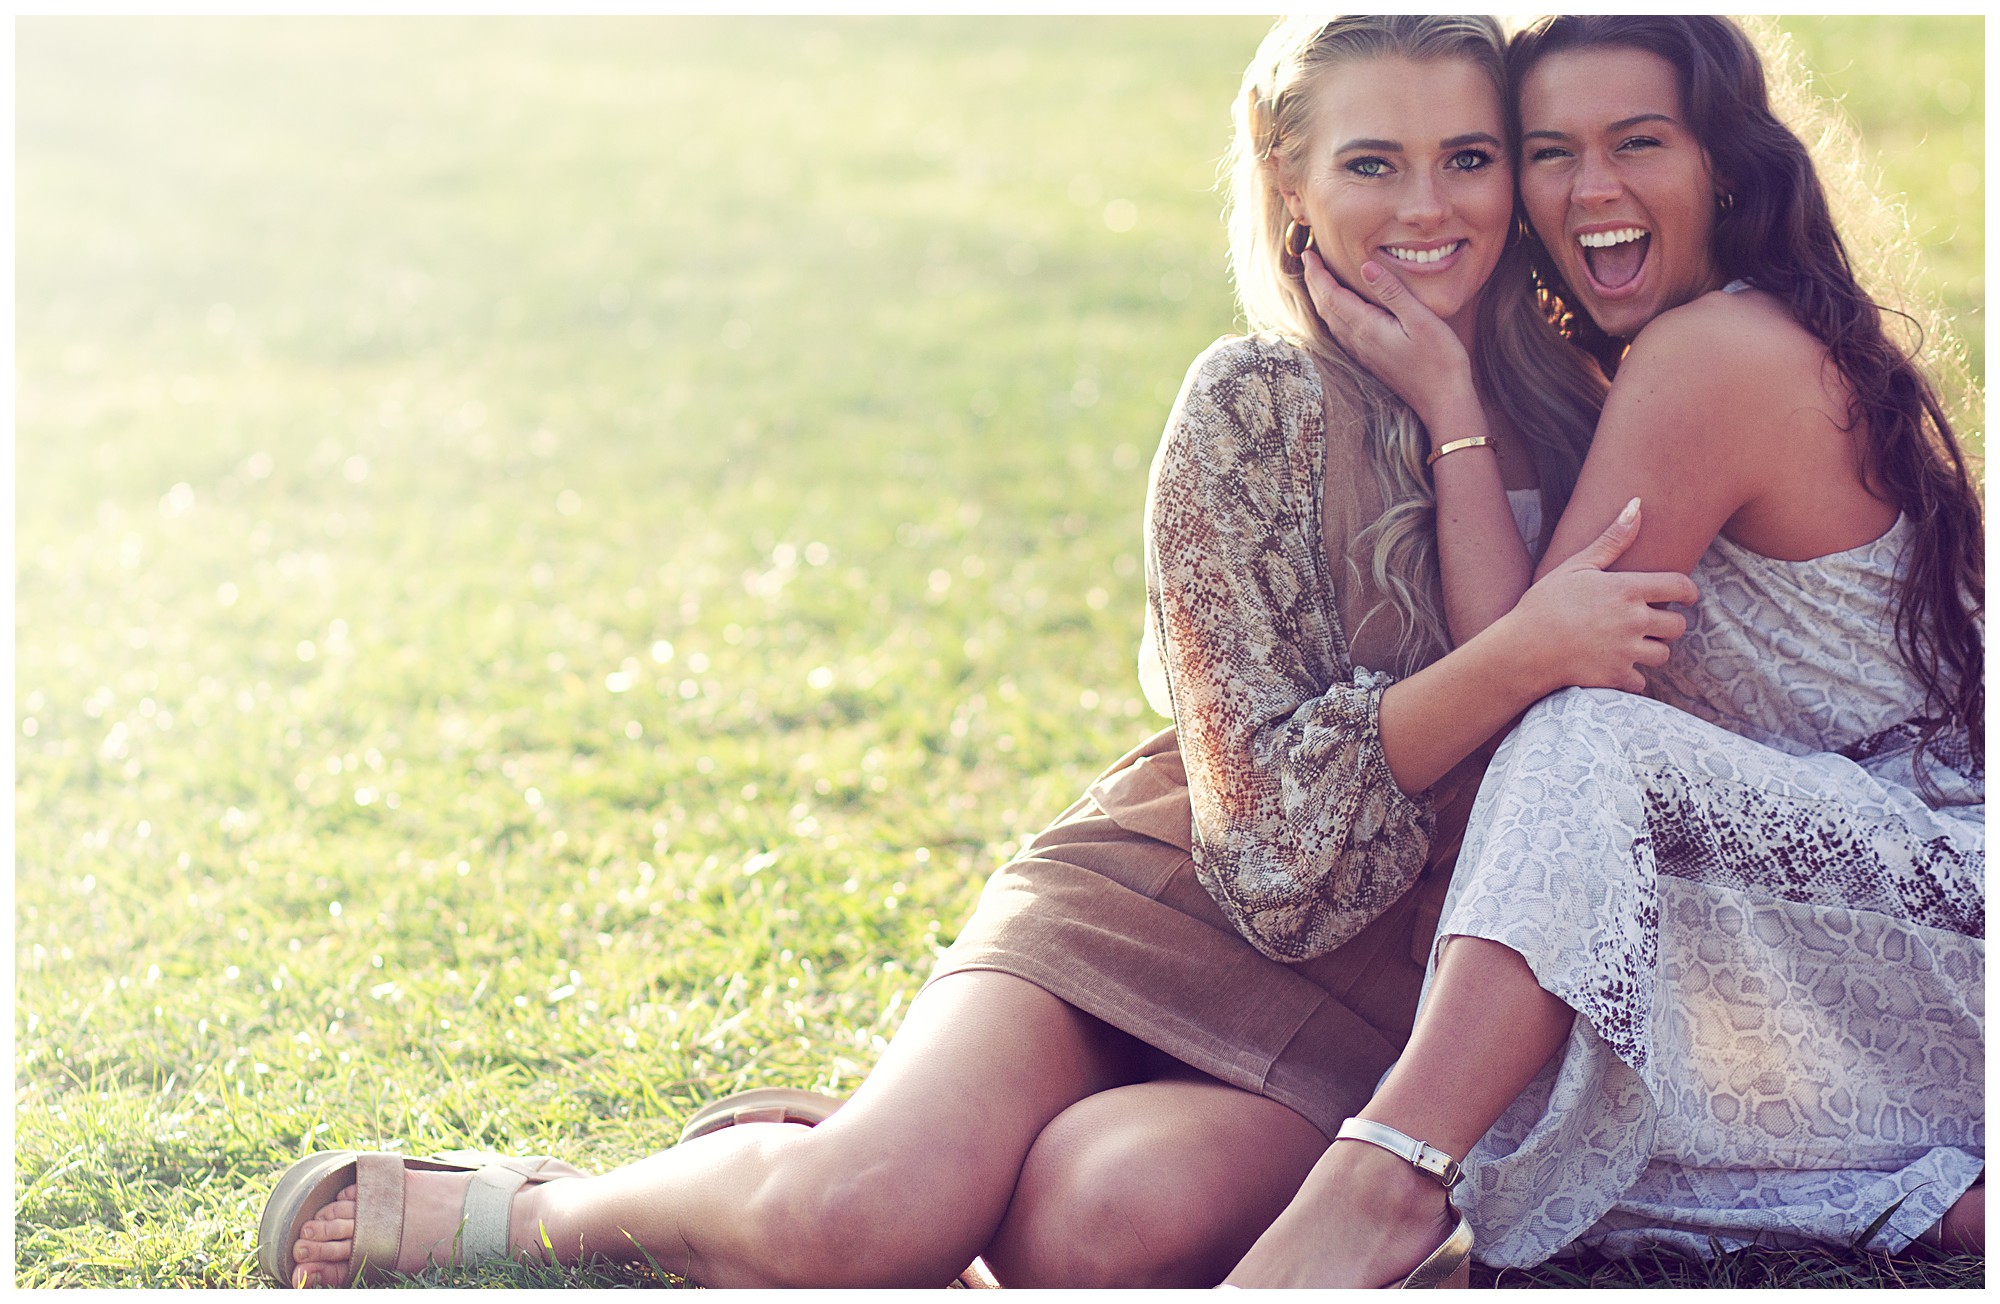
(1294, 247)
(1725, 202)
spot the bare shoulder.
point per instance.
(1742, 348)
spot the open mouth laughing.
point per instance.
(1613, 257)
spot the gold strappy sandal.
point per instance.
(1450, 1264)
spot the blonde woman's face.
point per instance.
(1406, 165)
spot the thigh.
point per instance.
(1160, 1183)
(985, 1059)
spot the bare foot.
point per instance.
(1962, 1230)
(433, 1210)
(1363, 1218)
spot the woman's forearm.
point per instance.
(1580, 626)
(1484, 565)
(1438, 716)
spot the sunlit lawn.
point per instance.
(553, 556)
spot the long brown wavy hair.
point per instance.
(1779, 232)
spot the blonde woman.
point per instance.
(1103, 1082)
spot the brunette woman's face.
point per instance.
(1618, 189)
(1405, 163)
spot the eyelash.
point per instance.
(1557, 151)
(1479, 159)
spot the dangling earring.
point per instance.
(1520, 235)
(1294, 246)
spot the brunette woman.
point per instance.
(1713, 966)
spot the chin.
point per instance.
(1445, 306)
(1624, 320)
(1619, 318)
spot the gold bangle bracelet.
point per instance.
(1477, 441)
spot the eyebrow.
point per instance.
(1396, 146)
(1620, 125)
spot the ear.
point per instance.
(1293, 204)
(1716, 180)
(1282, 183)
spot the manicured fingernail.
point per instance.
(1630, 514)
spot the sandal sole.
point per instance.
(767, 1104)
(302, 1190)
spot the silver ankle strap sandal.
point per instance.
(1418, 1154)
(1450, 1264)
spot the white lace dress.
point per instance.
(1773, 941)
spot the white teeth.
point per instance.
(1605, 239)
(1423, 255)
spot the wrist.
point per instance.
(1520, 671)
(1453, 416)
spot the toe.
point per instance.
(313, 1274)
(327, 1250)
(325, 1243)
(329, 1226)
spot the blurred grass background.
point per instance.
(554, 555)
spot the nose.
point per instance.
(1596, 180)
(1423, 200)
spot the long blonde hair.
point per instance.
(1547, 390)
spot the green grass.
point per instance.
(552, 558)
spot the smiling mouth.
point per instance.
(1422, 257)
(1615, 257)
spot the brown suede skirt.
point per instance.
(1103, 910)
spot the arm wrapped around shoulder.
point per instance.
(1301, 834)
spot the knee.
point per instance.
(1094, 1209)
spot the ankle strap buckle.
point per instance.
(1421, 1155)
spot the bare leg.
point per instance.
(902, 1187)
(1163, 1183)
(1365, 1217)
(1962, 1230)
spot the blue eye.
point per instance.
(1369, 167)
(1471, 160)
